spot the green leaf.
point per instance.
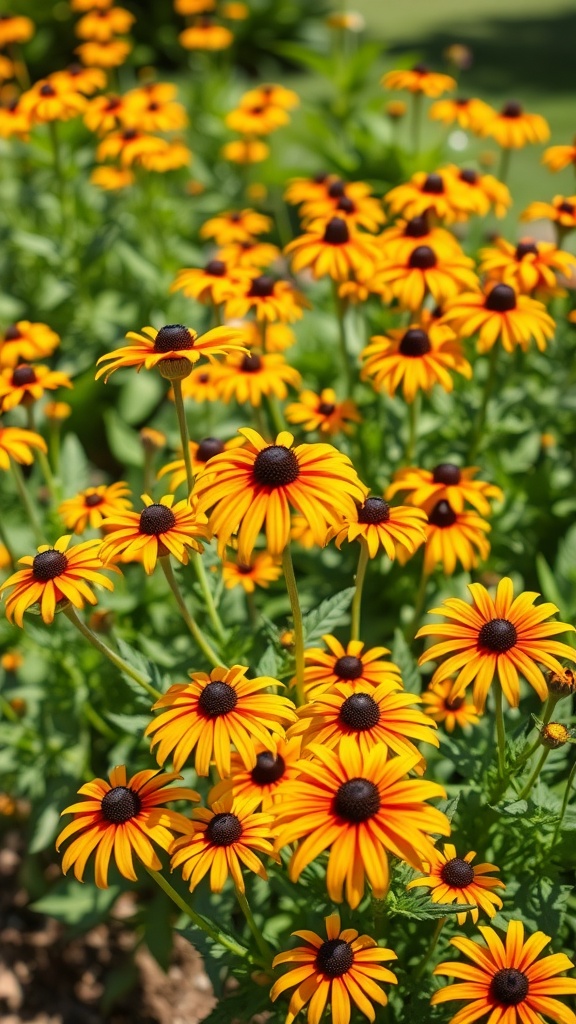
(124, 442)
(403, 657)
(418, 906)
(548, 583)
(268, 664)
(76, 903)
(327, 616)
(129, 724)
(75, 471)
(45, 829)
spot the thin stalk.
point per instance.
(500, 730)
(504, 168)
(486, 394)
(97, 721)
(276, 418)
(412, 627)
(546, 716)
(7, 710)
(27, 503)
(184, 436)
(42, 458)
(206, 926)
(419, 970)
(413, 416)
(357, 599)
(564, 806)
(341, 318)
(209, 605)
(539, 766)
(291, 587)
(195, 630)
(71, 614)
(260, 940)
(252, 609)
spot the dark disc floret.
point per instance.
(512, 109)
(262, 287)
(417, 227)
(348, 667)
(336, 231)
(276, 466)
(501, 299)
(454, 703)
(422, 258)
(346, 204)
(509, 986)
(23, 375)
(218, 698)
(120, 804)
(360, 712)
(156, 519)
(337, 189)
(374, 511)
(12, 333)
(442, 515)
(335, 958)
(415, 343)
(208, 448)
(457, 873)
(525, 249)
(224, 829)
(92, 500)
(447, 473)
(173, 338)
(357, 800)
(433, 185)
(251, 364)
(216, 268)
(498, 635)
(469, 176)
(47, 90)
(564, 207)
(421, 69)
(326, 408)
(47, 565)
(268, 768)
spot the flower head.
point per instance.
(205, 34)
(438, 192)
(269, 298)
(211, 284)
(83, 80)
(123, 816)
(323, 412)
(378, 524)
(266, 781)
(92, 506)
(513, 128)
(162, 528)
(25, 384)
(502, 637)
(15, 28)
(478, 193)
(454, 879)
(453, 537)
(172, 344)
(247, 378)
(420, 357)
(419, 79)
(130, 146)
(200, 454)
(235, 226)
(25, 341)
(446, 482)
(50, 100)
(109, 54)
(500, 313)
(245, 151)
(424, 271)
(333, 249)
(101, 25)
(556, 158)
(529, 266)
(362, 669)
(562, 210)
(450, 711)
(260, 571)
(468, 113)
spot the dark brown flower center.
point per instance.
(130, 134)
(336, 232)
(173, 338)
(348, 667)
(23, 375)
(12, 333)
(498, 635)
(276, 466)
(512, 109)
(447, 473)
(415, 343)
(262, 287)
(91, 500)
(454, 703)
(337, 189)
(501, 299)
(442, 515)
(156, 519)
(216, 268)
(469, 176)
(417, 227)
(509, 986)
(335, 958)
(422, 258)
(421, 69)
(461, 101)
(224, 829)
(47, 90)
(120, 804)
(217, 699)
(374, 510)
(360, 712)
(457, 873)
(564, 208)
(268, 769)
(524, 249)
(208, 448)
(346, 205)
(357, 800)
(251, 364)
(320, 178)
(326, 408)
(47, 565)
(433, 185)
(113, 103)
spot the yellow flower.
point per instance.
(49, 100)
(265, 782)
(25, 341)
(268, 298)
(248, 254)
(273, 95)
(79, 79)
(162, 528)
(453, 879)
(250, 377)
(362, 669)
(333, 249)
(17, 444)
(477, 193)
(377, 524)
(260, 571)
(245, 151)
(172, 157)
(92, 506)
(211, 284)
(57, 411)
(112, 178)
(425, 488)
(562, 210)
(418, 357)
(102, 25)
(513, 128)
(14, 120)
(556, 158)
(419, 79)
(111, 54)
(499, 313)
(105, 113)
(15, 28)
(200, 455)
(323, 412)
(439, 193)
(529, 266)
(172, 342)
(451, 711)
(453, 537)
(256, 119)
(205, 34)
(411, 278)
(469, 114)
(26, 384)
(130, 146)
(235, 226)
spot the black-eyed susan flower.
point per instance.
(55, 574)
(410, 278)
(454, 879)
(200, 454)
(161, 528)
(426, 487)
(380, 525)
(270, 299)
(15, 28)
(248, 254)
(323, 412)
(200, 384)
(341, 970)
(57, 411)
(84, 80)
(221, 840)
(49, 100)
(14, 120)
(556, 158)
(172, 343)
(302, 190)
(276, 338)
(112, 179)
(235, 226)
(350, 200)
(247, 378)
(468, 113)
(401, 239)
(333, 249)
(265, 782)
(260, 571)
(18, 444)
(508, 982)
(362, 669)
(109, 54)
(215, 712)
(93, 505)
(438, 192)
(130, 146)
(419, 79)
(478, 193)
(301, 532)
(450, 711)
(504, 637)
(154, 108)
(499, 313)
(187, 7)
(416, 358)
(206, 34)
(123, 817)
(211, 284)
(562, 211)
(105, 113)
(513, 128)
(25, 384)
(256, 119)
(529, 266)
(381, 715)
(90, 5)
(360, 808)
(101, 25)
(172, 157)
(253, 487)
(271, 94)
(245, 151)
(452, 538)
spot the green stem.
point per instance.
(42, 458)
(564, 806)
(71, 614)
(260, 940)
(28, 506)
(97, 721)
(196, 632)
(276, 415)
(206, 926)
(341, 318)
(539, 766)
(412, 627)
(481, 418)
(546, 716)
(357, 600)
(8, 710)
(500, 730)
(148, 470)
(292, 589)
(504, 164)
(419, 970)
(184, 436)
(416, 121)
(210, 607)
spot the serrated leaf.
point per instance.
(327, 616)
(268, 664)
(418, 906)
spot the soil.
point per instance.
(48, 978)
